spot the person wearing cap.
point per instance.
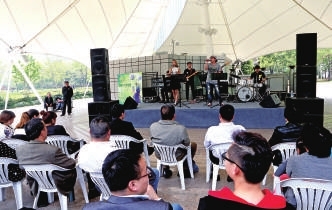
(190, 72)
(67, 93)
(259, 79)
(212, 67)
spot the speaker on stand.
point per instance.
(100, 74)
(101, 109)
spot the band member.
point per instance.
(259, 79)
(190, 72)
(211, 66)
(175, 84)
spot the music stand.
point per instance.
(218, 77)
(180, 78)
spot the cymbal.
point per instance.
(233, 75)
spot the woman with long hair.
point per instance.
(175, 84)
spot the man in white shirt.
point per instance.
(224, 132)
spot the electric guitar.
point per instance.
(191, 75)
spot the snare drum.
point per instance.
(242, 82)
(245, 94)
(250, 82)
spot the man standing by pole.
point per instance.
(67, 93)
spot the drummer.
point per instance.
(259, 79)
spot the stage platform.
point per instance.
(249, 114)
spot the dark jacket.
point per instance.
(128, 203)
(282, 134)
(56, 130)
(121, 127)
(67, 93)
(48, 101)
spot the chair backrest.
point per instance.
(122, 141)
(167, 153)
(4, 169)
(14, 143)
(220, 149)
(310, 193)
(287, 149)
(43, 175)
(98, 179)
(59, 141)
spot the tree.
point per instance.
(31, 68)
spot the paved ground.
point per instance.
(169, 189)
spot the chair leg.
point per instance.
(36, 200)
(80, 178)
(159, 168)
(146, 153)
(180, 169)
(63, 201)
(2, 194)
(17, 187)
(190, 165)
(214, 176)
(208, 168)
(50, 197)
(264, 180)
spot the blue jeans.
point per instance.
(176, 206)
(155, 183)
(209, 86)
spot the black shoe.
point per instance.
(167, 173)
(62, 115)
(42, 200)
(93, 193)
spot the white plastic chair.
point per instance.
(43, 175)
(61, 142)
(287, 150)
(5, 182)
(310, 193)
(168, 157)
(123, 141)
(219, 148)
(98, 179)
(14, 143)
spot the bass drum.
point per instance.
(245, 94)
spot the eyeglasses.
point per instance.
(148, 174)
(223, 156)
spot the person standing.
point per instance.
(190, 72)
(67, 93)
(175, 84)
(212, 67)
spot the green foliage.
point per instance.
(31, 68)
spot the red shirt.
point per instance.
(270, 201)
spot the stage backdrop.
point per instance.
(130, 84)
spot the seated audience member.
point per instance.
(223, 133)
(300, 149)
(121, 127)
(92, 155)
(6, 120)
(59, 103)
(127, 176)
(316, 163)
(247, 161)
(14, 172)
(289, 132)
(19, 132)
(169, 132)
(37, 151)
(48, 102)
(49, 118)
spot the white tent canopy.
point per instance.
(242, 29)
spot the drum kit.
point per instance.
(246, 90)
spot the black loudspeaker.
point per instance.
(103, 109)
(100, 74)
(307, 109)
(99, 61)
(306, 81)
(270, 101)
(130, 103)
(306, 49)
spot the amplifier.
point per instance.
(150, 99)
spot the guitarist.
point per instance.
(190, 72)
(211, 66)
